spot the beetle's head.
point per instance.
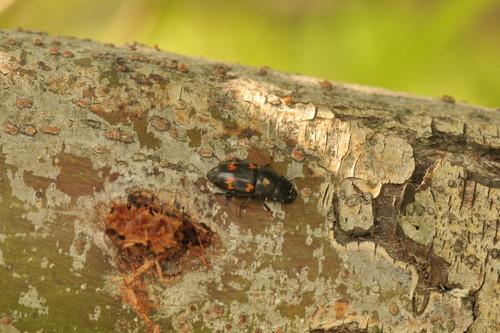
(287, 192)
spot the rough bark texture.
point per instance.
(395, 228)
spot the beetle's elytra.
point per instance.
(249, 180)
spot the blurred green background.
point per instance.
(425, 47)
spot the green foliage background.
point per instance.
(425, 47)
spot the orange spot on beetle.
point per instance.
(232, 167)
(249, 188)
(252, 166)
(229, 183)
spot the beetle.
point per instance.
(247, 179)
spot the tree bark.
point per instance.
(395, 227)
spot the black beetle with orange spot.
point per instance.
(249, 180)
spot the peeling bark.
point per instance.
(395, 228)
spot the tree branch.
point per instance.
(397, 209)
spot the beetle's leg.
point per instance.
(243, 205)
(266, 207)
